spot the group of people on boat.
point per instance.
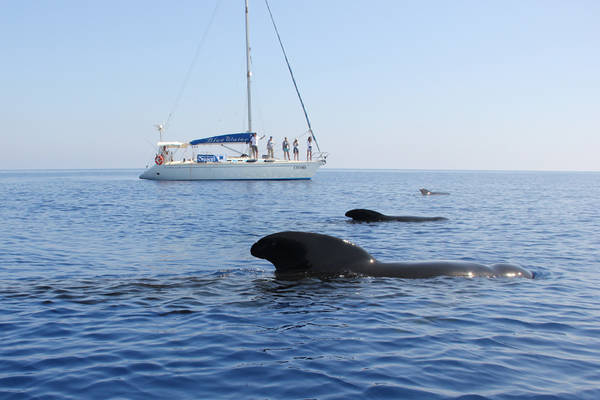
(285, 146)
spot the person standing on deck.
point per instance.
(270, 153)
(296, 151)
(309, 149)
(286, 149)
(254, 146)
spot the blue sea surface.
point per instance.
(116, 287)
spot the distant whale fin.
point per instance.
(427, 192)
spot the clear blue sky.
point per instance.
(388, 83)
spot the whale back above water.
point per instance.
(304, 251)
(427, 192)
(317, 254)
(364, 215)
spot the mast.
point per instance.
(248, 73)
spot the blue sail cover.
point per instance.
(229, 138)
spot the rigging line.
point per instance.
(232, 149)
(191, 68)
(292, 75)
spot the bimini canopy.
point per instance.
(229, 138)
(172, 144)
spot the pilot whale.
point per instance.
(315, 254)
(364, 215)
(426, 192)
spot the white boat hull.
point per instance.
(258, 170)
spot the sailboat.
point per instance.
(189, 161)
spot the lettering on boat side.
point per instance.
(299, 166)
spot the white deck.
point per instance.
(233, 170)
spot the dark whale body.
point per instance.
(363, 215)
(314, 254)
(426, 192)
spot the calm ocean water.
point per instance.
(114, 287)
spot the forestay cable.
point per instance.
(292, 75)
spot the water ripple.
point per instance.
(114, 288)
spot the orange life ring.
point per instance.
(159, 159)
